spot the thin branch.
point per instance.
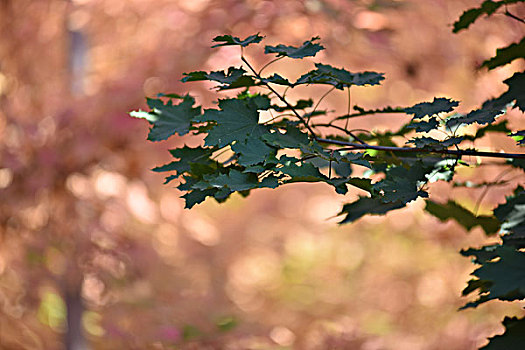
(269, 63)
(348, 132)
(318, 102)
(508, 14)
(281, 98)
(487, 188)
(466, 152)
(348, 106)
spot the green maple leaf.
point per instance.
(308, 49)
(428, 142)
(513, 338)
(235, 180)
(401, 184)
(300, 104)
(168, 119)
(439, 105)
(424, 126)
(187, 156)
(340, 78)
(482, 255)
(227, 40)
(253, 151)
(506, 274)
(292, 138)
(506, 55)
(488, 7)
(367, 206)
(512, 212)
(276, 79)
(232, 79)
(464, 217)
(237, 120)
(496, 106)
(194, 197)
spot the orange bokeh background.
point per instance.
(87, 230)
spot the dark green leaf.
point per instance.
(197, 196)
(513, 338)
(292, 138)
(276, 79)
(439, 105)
(226, 40)
(506, 274)
(428, 142)
(301, 104)
(168, 119)
(424, 126)
(497, 106)
(499, 127)
(308, 49)
(464, 217)
(487, 8)
(402, 184)
(367, 205)
(483, 254)
(187, 156)
(512, 213)
(340, 78)
(506, 55)
(252, 151)
(232, 79)
(237, 120)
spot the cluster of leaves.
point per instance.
(260, 139)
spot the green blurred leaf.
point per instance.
(464, 217)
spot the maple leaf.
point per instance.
(308, 49)
(506, 55)
(340, 78)
(464, 217)
(168, 119)
(367, 205)
(237, 120)
(513, 338)
(227, 40)
(439, 105)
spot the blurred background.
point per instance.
(90, 237)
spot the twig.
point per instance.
(281, 98)
(346, 131)
(508, 14)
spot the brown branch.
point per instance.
(466, 152)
